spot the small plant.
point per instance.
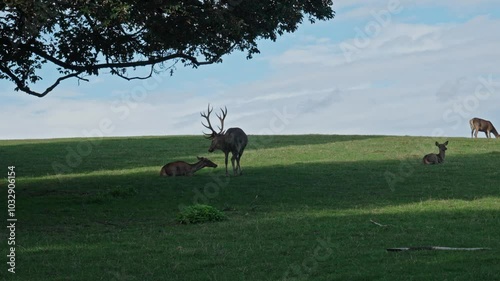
(200, 213)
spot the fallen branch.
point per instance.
(435, 248)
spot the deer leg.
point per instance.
(232, 163)
(238, 167)
(225, 161)
(486, 133)
(239, 158)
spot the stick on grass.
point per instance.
(435, 248)
(376, 223)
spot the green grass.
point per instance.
(301, 210)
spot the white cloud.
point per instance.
(364, 10)
(407, 79)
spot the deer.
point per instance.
(233, 140)
(432, 158)
(181, 168)
(478, 124)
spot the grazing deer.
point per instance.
(478, 124)
(233, 140)
(436, 158)
(181, 168)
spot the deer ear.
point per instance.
(437, 144)
(446, 143)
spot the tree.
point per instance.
(80, 38)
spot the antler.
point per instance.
(221, 118)
(224, 113)
(207, 116)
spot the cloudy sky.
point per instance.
(420, 68)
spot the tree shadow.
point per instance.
(371, 183)
(84, 155)
(335, 185)
(276, 141)
(283, 234)
(276, 209)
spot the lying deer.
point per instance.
(233, 140)
(481, 125)
(436, 158)
(181, 168)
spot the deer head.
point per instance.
(206, 162)
(442, 147)
(214, 136)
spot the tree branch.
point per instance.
(95, 67)
(117, 73)
(21, 86)
(80, 37)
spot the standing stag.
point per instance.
(432, 158)
(181, 168)
(478, 124)
(233, 140)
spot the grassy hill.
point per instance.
(303, 209)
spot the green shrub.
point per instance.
(200, 213)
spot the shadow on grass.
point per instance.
(336, 185)
(276, 246)
(270, 141)
(48, 157)
(277, 214)
(89, 155)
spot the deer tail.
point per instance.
(471, 123)
(425, 161)
(163, 172)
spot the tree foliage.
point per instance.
(81, 38)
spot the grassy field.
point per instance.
(301, 211)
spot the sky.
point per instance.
(397, 67)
